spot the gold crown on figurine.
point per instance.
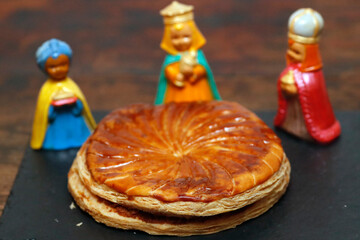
(305, 26)
(177, 13)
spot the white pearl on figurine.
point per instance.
(306, 22)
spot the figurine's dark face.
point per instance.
(57, 68)
(296, 52)
(181, 37)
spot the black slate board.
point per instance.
(322, 201)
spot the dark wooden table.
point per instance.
(117, 57)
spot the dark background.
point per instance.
(117, 57)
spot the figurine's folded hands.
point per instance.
(190, 74)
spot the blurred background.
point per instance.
(117, 58)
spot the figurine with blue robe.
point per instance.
(62, 118)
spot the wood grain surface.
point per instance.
(117, 57)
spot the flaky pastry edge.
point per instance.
(180, 208)
(108, 215)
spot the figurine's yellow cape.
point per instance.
(47, 91)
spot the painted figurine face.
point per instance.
(296, 52)
(181, 37)
(57, 68)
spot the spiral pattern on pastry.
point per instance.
(198, 152)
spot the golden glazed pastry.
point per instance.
(115, 215)
(180, 160)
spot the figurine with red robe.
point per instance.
(304, 107)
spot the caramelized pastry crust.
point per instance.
(196, 152)
(115, 215)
